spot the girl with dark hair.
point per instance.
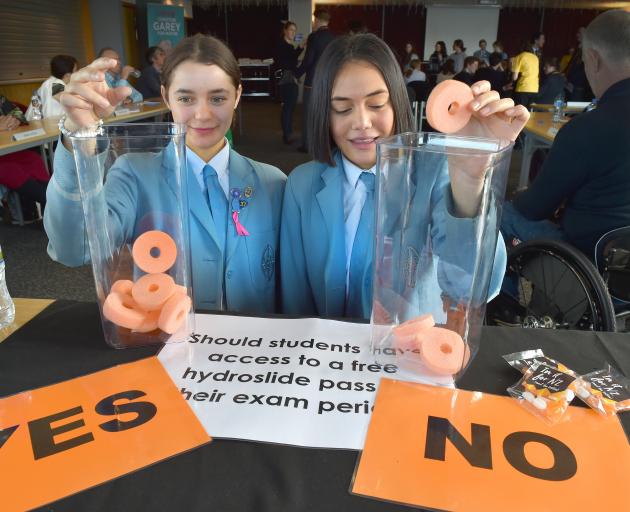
(409, 55)
(286, 62)
(61, 68)
(201, 85)
(438, 57)
(359, 96)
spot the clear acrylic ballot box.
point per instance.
(132, 181)
(433, 264)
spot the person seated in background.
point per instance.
(588, 167)
(483, 54)
(409, 55)
(118, 77)
(22, 171)
(467, 75)
(447, 72)
(61, 68)
(554, 85)
(495, 74)
(149, 82)
(415, 74)
(497, 47)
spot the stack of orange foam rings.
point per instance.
(154, 301)
(442, 351)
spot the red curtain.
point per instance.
(402, 24)
(252, 31)
(560, 27)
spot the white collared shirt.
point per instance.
(219, 162)
(354, 196)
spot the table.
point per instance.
(65, 341)
(8, 145)
(25, 310)
(539, 132)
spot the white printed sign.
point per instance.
(36, 132)
(305, 382)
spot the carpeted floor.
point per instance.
(31, 273)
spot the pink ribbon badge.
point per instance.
(240, 229)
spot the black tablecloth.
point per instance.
(66, 341)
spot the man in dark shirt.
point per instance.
(149, 83)
(588, 167)
(554, 85)
(467, 75)
(493, 73)
(315, 46)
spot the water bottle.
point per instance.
(558, 105)
(7, 308)
(37, 106)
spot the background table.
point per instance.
(65, 341)
(8, 145)
(539, 132)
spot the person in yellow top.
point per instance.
(525, 73)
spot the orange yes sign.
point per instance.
(468, 451)
(71, 436)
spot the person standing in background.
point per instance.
(438, 57)
(117, 77)
(286, 62)
(459, 55)
(525, 69)
(149, 83)
(316, 43)
(482, 53)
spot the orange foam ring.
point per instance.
(174, 312)
(122, 310)
(150, 322)
(122, 286)
(147, 242)
(448, 106)
(151, 291)
(443, 351)
(405, 333)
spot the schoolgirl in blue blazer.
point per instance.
(201, 86)
(358, 97)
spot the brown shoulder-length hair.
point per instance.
(359, 47)
(204, 50)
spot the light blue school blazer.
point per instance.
(312, 242)
(141, 189)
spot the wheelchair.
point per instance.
(552, 285)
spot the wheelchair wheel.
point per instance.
(552, 285)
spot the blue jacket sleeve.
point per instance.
(297, 294)
(464, 247)
(111, 204)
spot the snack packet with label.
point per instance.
(607, 391)
(546, 391)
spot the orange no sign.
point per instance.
(76, 434)
(467, 451)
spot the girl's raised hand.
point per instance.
(87, 97)
(493, 117)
